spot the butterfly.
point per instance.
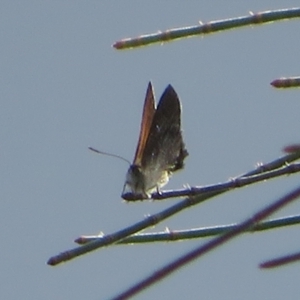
(160, 150)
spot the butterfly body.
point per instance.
(160, 150)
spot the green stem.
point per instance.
(286, 82)
(177, 235)
(155, 219)
(210, 27)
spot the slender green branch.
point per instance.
(177, 235)
(231, 184)
(210, 27)
(154, 219)
(286, 82)
(183, 260)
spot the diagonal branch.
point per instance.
(207, 247)
(210, 27)
(203, 232)
(231, 184)
(154, 219)
(286, 82)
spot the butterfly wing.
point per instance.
(164, 151)
(148, 113)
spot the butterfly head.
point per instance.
(141, 183)
(134, 187)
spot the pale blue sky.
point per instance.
(64, 88)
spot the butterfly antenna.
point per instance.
(109, 154)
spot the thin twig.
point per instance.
(193, 233)
(210, 27)
(286, 82)
(209, 246)
(231, 184)
(281, 261)
(154, 219)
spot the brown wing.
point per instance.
(164, 149)
(148, 113)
